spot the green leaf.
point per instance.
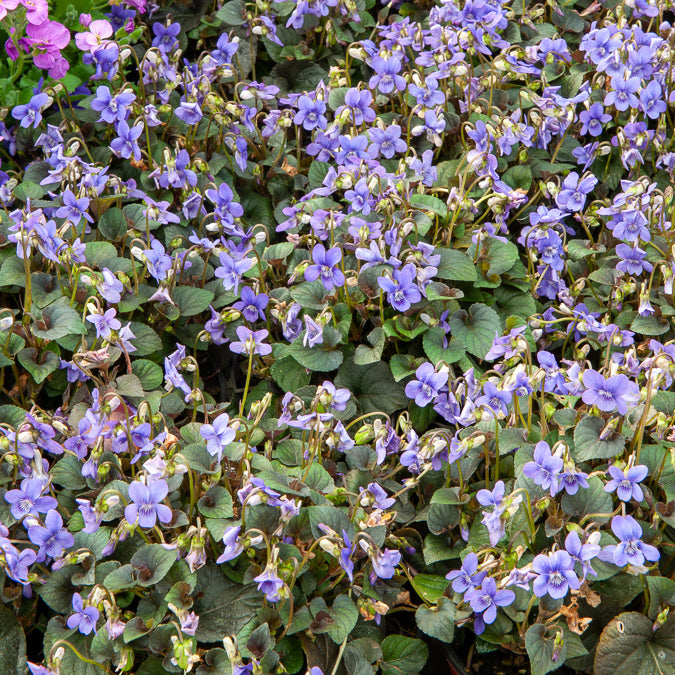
(630, 646)
(365, 355)
(68, 473)
(592, 500)
(13, 415)
(519, 176)
(661, 594)
(650, 325)
(57, 590)
(112, 224)
(151, 563)
(331, 516)
(98, 253)
(216, 503)
(476, 329)
(190, 300)
(40, 367)
(318, 359)
(433, 347)
(455, 265)
(146, 340)
(12, 643)
(232, 13)
(310, 294)
(148, 372)
(289, 374)
(27, 190)
(439, 621)
(402, 365)
(430, 203)
(223, 607)
(587, 442)
(430, 587)
(57, 322)
(544, 654)
(338, 621)
(278, 251)
(402, 654)
(129, 385)
(436, 548)
(373, 386)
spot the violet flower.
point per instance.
(251, 342)
(83, 618)
(485, 600)
(630, 550)
(218, 435)
(270, 583)
(325, 267)
(427, 385)
(28, 500)
(233, 547)
(401, 290)
(556, 575)
(545, 469)
(146, 506)
(626, 484)
(252, 305)
(52, 538)
(467, 577)
(614, 393)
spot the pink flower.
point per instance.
(98, 31)
(138, 5)
(7, 5)
(37, 11)
(48, 39)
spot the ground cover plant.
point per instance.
(333, 332)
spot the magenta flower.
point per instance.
(37, 11)
(7, 5)
(99, 31)
(49, 38)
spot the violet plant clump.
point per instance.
(332, 329)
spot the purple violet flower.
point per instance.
(626, 484)
(52, 538)
(218, 435)
(28, 500)
(324, 267)
(545, 469)
(466, 578)
(485, 600)
(614, 393)
(84, 619)
(630, 550)
(146, 506)
(556, 575)
(427, 385)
